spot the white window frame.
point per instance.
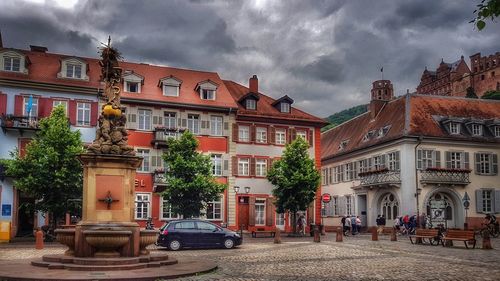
(144, 119)
(496, 131)
(260, 167)
(285, 107)
(193, 122)
(243, 133)
(207, 94)
(141, 204)
(129, 83)
(34, 106)
(243, 166)
(251, 104)
(170, 120)
(487, 196)
(146, 162)
(477, 129)
(83, 113)
(280, 138)
(485, 164)
(63, 102)
(260, 211)
(71, 68)
(11, 60)
(216, 164)
(217, 216)
(302, 134)
(456, 160)
(166, 208)
(454, 128)
(261, 135)
(392, 161)
(348, 204)
(216, 124)
(428, 156)
(168, 93)
(324, 176)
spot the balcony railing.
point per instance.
(161, 136)
(382, 177)
(445, 176)
(159, 180)
(20, 123)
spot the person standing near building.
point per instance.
(353, 225)
(379, 224)
(358, 224)
(347, 225)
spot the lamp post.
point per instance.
(466, 202)
(237, 190)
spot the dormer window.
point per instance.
(74, 71)
(285, 107)
(207, 90)
(73, 68)
(454, 128)
(251, 104)
(382, 132)
(496, 131)
(132, 82)
(477, 129)
(207, 94)
(343, 144)
(11, 63)
(171, 86)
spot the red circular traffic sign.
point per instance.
(326, 197)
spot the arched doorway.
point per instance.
(389, 206)
(443, 207)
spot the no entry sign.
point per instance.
(326, 197)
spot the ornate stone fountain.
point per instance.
(108, 238)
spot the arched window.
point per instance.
(389, 206)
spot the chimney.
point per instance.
(382, 92)
(253, 84)
(39, 49)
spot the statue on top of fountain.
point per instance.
(111, 135)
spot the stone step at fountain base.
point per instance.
(103, 264)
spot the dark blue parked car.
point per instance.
(193, 233)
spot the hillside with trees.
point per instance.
(344, 115)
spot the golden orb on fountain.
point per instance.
(109, 111)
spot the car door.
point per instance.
(187, 233)
(210, 235)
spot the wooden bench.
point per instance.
(459, 235)
(263, 233)
(421, 234)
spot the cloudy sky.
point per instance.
(324, 54)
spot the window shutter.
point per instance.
(437, 156)
(466, 160)
(477, 157)
(269, 163)
(419, 159)
(311, 137)
(272, 135)
(132, 121)
(448, 159)
(3, 104)
(203, 124)
(355, 170)
(235, 132)
(18, 105)
(397, 161)
(383, 159)
(293, 134)
(179, 122)
(252, 167)
(269, 212)
(234, 165)
(155, 120)
(72, 112)
(251, 211)
(226, 128)
(496, 207)
(184, 123)
(494, 163)
(94, 113)
(225, 166)
(252, 133)
(479, 201)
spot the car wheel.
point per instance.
(174, 245)
(228, 243)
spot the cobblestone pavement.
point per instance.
(357, 258)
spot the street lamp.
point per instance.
(466, 202)
(237, 190)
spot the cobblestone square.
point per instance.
(357, 258)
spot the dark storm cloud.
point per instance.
(324, 54)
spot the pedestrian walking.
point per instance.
(358, 224)
(347, 225)
(353, 225)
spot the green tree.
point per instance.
(49, 170)
(486, 9)
(491, 95)
(295, 179)
(470, 93)
(189, 178)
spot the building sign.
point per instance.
(326, 197)
(6, 210)
(438, 211)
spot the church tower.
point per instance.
(382, 92)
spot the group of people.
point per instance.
(351, 224)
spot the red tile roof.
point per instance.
(45, 66)
(409, 116)
(265, 108)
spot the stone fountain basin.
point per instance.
(66, 237)
(107, 239)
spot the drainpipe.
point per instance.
(417, 193)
